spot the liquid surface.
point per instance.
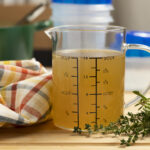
(88, 87)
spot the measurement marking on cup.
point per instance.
(93, 112)
(96, 58)
(95, 93)
(95, 86)
(95, 105)
(75, 67)
(77, 92)
(75, 112)
(74, 76)
(92, 76)
(96, 90)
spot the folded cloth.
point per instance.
(24, 93)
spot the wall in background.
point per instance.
(133, 14)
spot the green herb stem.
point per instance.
(131, 125)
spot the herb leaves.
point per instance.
(133, 126)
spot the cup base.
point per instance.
(69, 129)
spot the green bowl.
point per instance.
(16, 42)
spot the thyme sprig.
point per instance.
(134, 126)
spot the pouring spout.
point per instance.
(48, 32)
(52, 34)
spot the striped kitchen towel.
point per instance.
(25, 93)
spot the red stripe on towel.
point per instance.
(34, 90)
(32, 111)
(24, 74)
(19, 63)
(13, 96)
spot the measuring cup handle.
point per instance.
(139, 47)
(136, 46)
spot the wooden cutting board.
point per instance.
(47, 136)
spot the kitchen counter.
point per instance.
(47, 136)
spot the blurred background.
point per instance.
(126, 13)
(12, 11)
(132, 14)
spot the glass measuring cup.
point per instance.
(88, 74)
